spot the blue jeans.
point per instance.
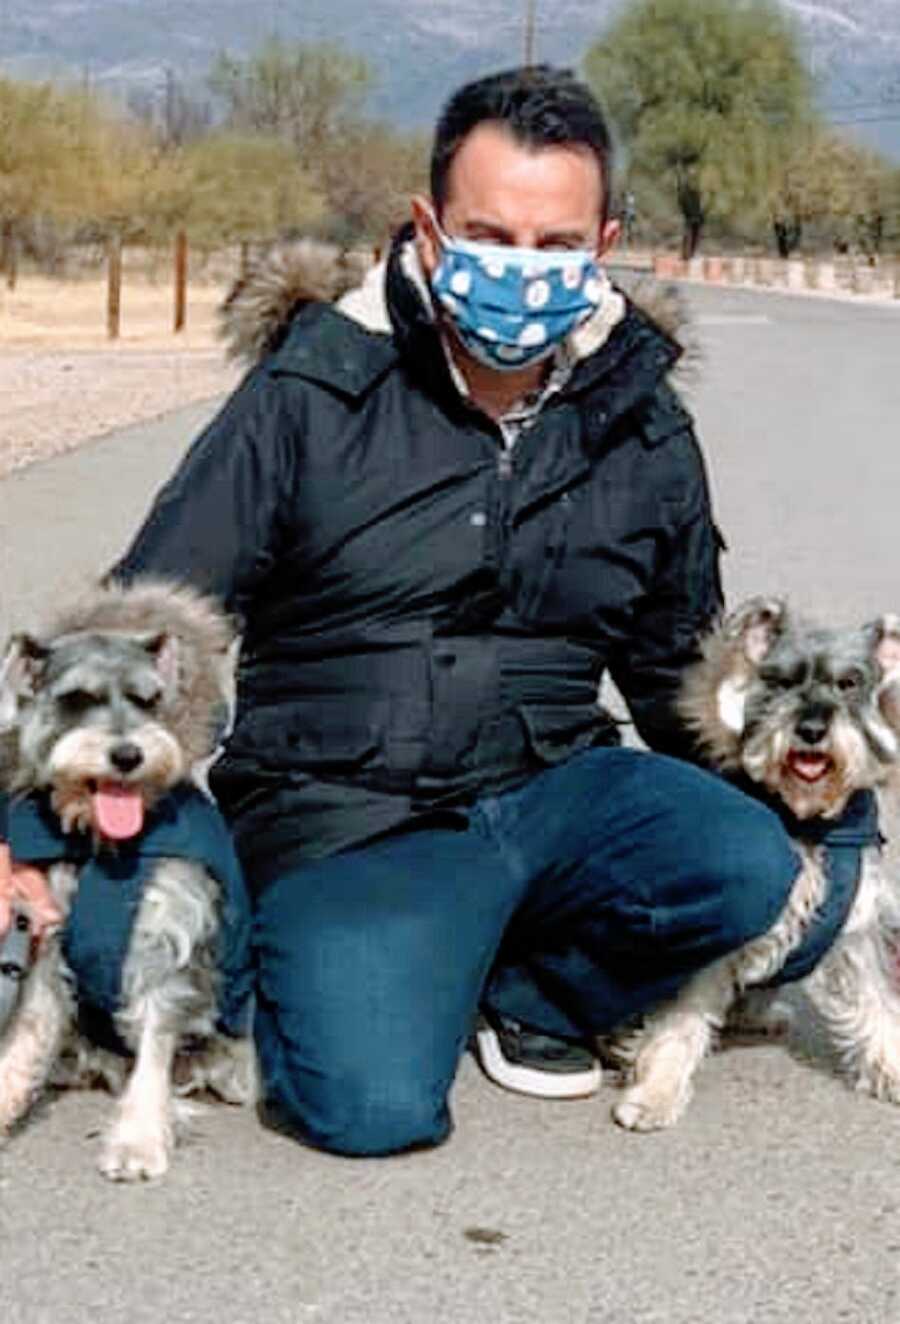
(571, 903)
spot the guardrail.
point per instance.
(841, 276)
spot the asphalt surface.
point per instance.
(777, 1198)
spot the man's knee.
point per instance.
(350, 1108)
(350, 1119)
(758, 867)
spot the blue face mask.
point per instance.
(511, 307)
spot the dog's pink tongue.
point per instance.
(810, 766)
(118, 810)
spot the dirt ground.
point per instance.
(62, 381)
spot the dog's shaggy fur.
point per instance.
(118, 697)
(811, 715)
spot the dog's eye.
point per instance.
(849, 682)
(146, 702)
(77, 701)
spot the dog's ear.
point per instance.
(713, 698)
(884, 636)
(755, 625)
(165, 650)
(20, 674)
(748, 633)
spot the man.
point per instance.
(438, 538)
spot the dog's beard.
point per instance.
(812, 782)
(89, 795)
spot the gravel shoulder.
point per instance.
(55, 400)
(63, 382)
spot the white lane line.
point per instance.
(733, 319)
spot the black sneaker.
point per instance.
(532, 1063)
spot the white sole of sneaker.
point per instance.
(528, 1080)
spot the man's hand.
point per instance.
(21, 885)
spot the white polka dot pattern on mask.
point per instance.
(533, 333)
(510, 353)
(461, 282)
(537, 294)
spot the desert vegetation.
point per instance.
(722, 146)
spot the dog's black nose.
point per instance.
(126, 757)
(812, 728)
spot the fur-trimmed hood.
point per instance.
(257, 312)
(259, 308)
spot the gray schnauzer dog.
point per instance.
(812, 715)
(105, 713)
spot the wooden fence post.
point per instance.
(9, 253)
(181, 270)
(113, 285)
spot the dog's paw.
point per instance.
(641, 1109)
(14, 1105)
(132, 1154)
(881, 1081)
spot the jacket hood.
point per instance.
(257, 312)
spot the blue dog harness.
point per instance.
(184, 824)
(843, 841)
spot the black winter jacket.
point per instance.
(424, 621)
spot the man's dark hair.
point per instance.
(540, 106)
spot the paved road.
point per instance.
(776, 1199)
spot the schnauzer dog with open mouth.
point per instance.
(810, 716)
(102, 719)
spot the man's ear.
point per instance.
(20, 674)
(608, 236)
(427, 243)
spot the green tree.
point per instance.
(304, 94)
(875, 204)
(39, 173)
(812, 187)
(124, 175)
(368, 179)
(226, 189)
(240, 188)
(704, 93)
(848, 195)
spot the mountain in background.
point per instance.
(420, 49)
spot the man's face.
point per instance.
(501, 192)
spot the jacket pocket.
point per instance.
(316, 736)
(556, 732)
